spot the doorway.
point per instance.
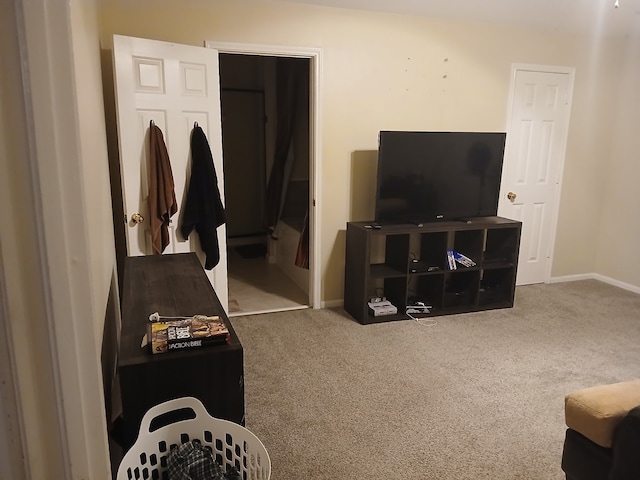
(262, 271)
(539, 110)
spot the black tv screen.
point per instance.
(431, 176)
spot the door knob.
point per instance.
(511, 196)
(137, 218)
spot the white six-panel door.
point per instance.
(536, 142)
(174, 86)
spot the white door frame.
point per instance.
(62, 425)
(518, 67)
(315, 56)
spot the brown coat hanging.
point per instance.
(162, 197)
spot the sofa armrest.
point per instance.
(626, 447)
(595, 412)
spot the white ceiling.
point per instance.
(599, 17)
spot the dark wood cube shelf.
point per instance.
(408, 263)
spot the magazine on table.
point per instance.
(165, 335)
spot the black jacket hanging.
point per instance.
(203, 209)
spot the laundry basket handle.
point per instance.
(169, 406)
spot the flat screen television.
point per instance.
(432, 176)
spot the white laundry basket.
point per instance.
(231, 444)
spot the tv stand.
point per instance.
(405, 262)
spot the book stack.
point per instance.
(190, 332)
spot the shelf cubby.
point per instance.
(433, 249)
(496, 286)
(501, 247)
(426, 288)
(461, 288)
(469, 243)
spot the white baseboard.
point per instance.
(332, 303)
(572, 278)
(596, 276)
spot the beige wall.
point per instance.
(619, 226)
(383, 71)
(596, 103)
(95, 163)
(97, 223)
(57, 238)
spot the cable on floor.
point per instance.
(425, 322)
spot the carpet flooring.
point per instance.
(474, 396)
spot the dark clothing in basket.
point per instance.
(193, 461)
